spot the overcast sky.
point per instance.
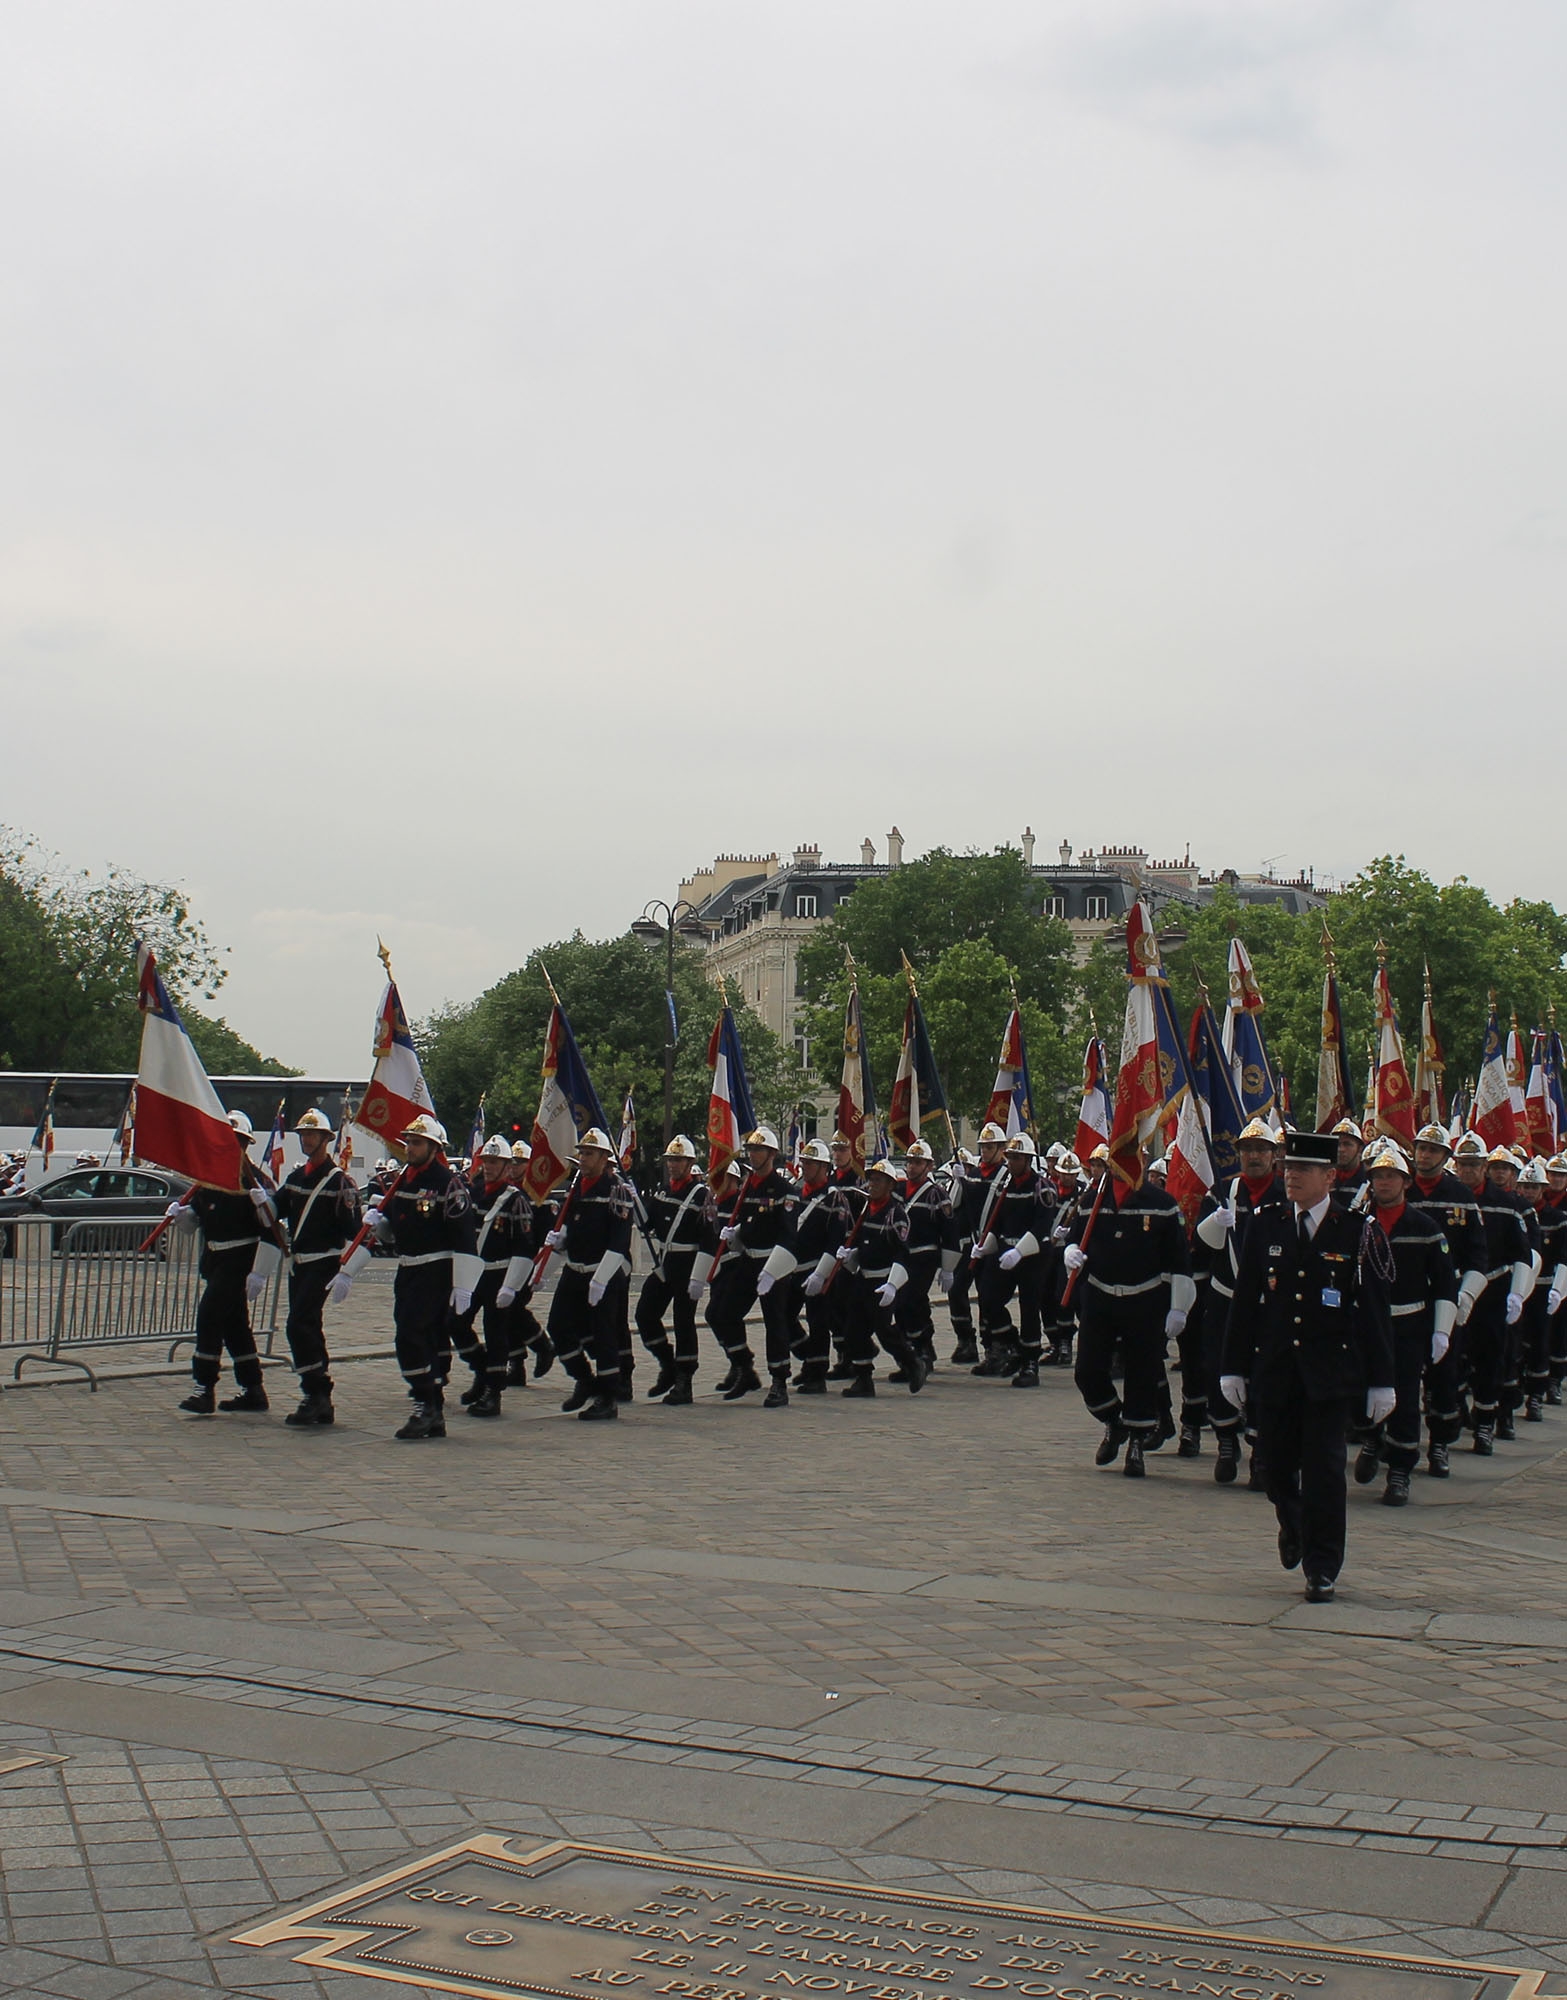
(465, 465)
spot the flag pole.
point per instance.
(914, 995)
(1022, 1047)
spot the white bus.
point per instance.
(88, 1109)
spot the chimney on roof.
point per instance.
(808, 856)
(895, 849)
(1028, 847)
(867, 853)
(1065, 851)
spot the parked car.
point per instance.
(94, 1194)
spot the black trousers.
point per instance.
(669, 1291)
(958, 1306)
(308, 1285)
(730, 1297)
(487, 1352)
(997, 1288)
(814, 1344)
(912, 1311)
(1191, 1345)
(1536, 1330)
(1303, 1451)
(421, 1295)
(1444, 1404)
(223, 1320)
(1398, 1437)
(1486, 1339)
(1136, 1325)
(587, 1337)
(1222, 1413)
(778, 1323)
(867, 1323)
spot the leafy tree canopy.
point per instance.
(613, 993)
(68, 967)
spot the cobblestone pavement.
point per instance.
(920, 1641)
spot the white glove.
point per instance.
(1233, 1390)
(944, 1281)
(813, 1285)
(556, 1240)
(1174, 1322)
(255, 1285)
(379, 1225)
(1010, 1259)
(1225, 1216)
(1379, 1404)
(375, 1201)
(1074, 1257)
(729, 1233)
(260, 1197)
(764, 1284)
(1466, 1305)
(174, 1211)
(505, 1297)
(1514, 1308)
(1553, 1302)
(986, 1247)
(847, 1256)
(1439, 1344)
(339, 1288)
(461, 1299)
(885, 1294)
(695, 1289)
(595, 1291)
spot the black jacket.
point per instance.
(320, 1205)
(1312, 1323)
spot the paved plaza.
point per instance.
(921, 1645)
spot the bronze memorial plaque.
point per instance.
(576, 1920)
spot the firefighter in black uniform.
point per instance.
(1309, 1346)
(1136, 1285)
(1493, 1327)
(873, 1273)
(850, 1185)
(233, 1226)
(677, 1213)
(1423, 1304)
(592, 1236)
(757, 1241)
(996, 1353)
(1074, 1191)
(1350, 1142)
(1550, 1226)
(821, 1222)
(422, 1219)
(319, 1207)
(1443, 1199)
(526, 1335)
(1555, 1275)
(491, 1269)
(925, 1210)
(968, 1205)
(1015, 1253)
(1216, 1252)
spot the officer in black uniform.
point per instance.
(873, 1272)
(1309, 1346)
(1550, 1226)
(488, 1273)
(319, 1208)
(1442, 1198)
(1227, 1215)
(592, 1235)
(232, 1228)
(422, 1220)
(1493, 1328)
(929, 1219)
(1423, 1304)
(1015, 1253)
(821, 1222)
(1135, 1277)
(677, 1213)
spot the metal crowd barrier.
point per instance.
(101, 1289)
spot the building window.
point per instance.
(1055, 906)
(802, 1043)
(1097, 909)
(805, 906)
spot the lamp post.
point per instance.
(657, 925)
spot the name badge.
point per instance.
(1275, 1249)
(1330, 1296)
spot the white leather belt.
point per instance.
(430, 1257)
(1127, 1291)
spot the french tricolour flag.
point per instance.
(397, 1092)
(180, 1124)
(1492, 1113)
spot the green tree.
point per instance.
(68, 966)
(613, 992)
(969, 925)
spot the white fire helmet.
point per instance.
(764, 1135)
(595, 1139)
(495, 1148)
(1386, 1154)
(1433, 1135)
(239, 1123)
(816, 1149)
(992, 1135)
(522, 1151)
(1533, 1175)
(1021, 1144)
(917, 1149)
(314, 1120)
(425, 1127)
(680, 1148)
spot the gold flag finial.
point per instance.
(908, 970)
(545, 971)
(384, 955)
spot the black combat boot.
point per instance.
(1190, 1445)
(1133, 1468)
(487, 1403)
(1534, 1410)
(426, 1420)
(543, 1357)
(668, 1375)
(582, 1384)
(1227, 1457)
(314, 1411)
(1366, 1463)
(474, 1391)
(965, 1354)
(1484, 1440)
(201, 1402)
(863, 1383)
(812, 1379)
(1396, 1491)
(680, 1395)
(604, 1407)
(777, 1396)
(1437, 1462)
(249, 1402)
(745, 1380)
(1027, 1377)
(1110, 1444)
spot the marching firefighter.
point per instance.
(319, 1208)
(1556, 1203)
(1137, 1290)
(1510, 1272)
(1309, 1348)
(1423, 1304)
(677, 1213)
(1442, 1198)
(925, 1210)
(982, 1189)
(526, 1335)
(1550, 1225)
(422, 1219)
(593, 1237)
(757, 1239)
(873, 1273)
(1348, 1179)
(234, 1271)
(821, 1223)
(492, 1269)
(1220, 1239)
(1014, 1255)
